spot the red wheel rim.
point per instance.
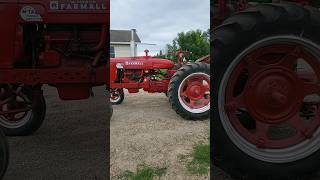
(194, 93)
(266, 88)
(115, 95)
(15, 108)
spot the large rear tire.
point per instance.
(259, 93)
(189, 91)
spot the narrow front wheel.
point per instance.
(116, 96)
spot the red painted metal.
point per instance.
(141, 67)
(61, 43)
(154, 75)
(194, 92)
(144, 62)
(272, 93)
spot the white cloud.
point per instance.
(158, 22)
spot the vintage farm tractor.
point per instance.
(186, 85)
(266, 66)
(62, 43)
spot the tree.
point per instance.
(197, 43)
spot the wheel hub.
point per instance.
(272, 95)
(195, 91)
(263, 96)
(15, 107)
(114, 95)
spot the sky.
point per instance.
(159, 21)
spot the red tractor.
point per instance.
(266, 60)
(61, 43)
(186, 85)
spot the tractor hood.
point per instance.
(145, 62)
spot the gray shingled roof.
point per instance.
(122, 36)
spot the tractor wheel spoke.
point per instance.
(15, 111)
(296, 122)
(193, 103)
(252, 66)
(184, 94)
(261, 130)
(3, 102)
(235, 103)
(289, 60)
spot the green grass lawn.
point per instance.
(197, 162)
(143, 172)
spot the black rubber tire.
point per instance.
(4, 154)
(230, 39)
(121, 93)
(34, 122)
(177, 66)
(109, 106)
(176, 80)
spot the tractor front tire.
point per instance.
(30, 121)
(109, 106)
(268, 28)
(189, 91)
(116, 96)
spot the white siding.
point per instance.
(122, 50)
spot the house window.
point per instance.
(112, 52)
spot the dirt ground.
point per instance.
(71, 144)
(145, 130)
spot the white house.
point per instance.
(123, 43)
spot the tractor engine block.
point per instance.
(53, 45)
(134, 75)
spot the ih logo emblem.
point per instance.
(29, 13)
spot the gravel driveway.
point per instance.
(145, 130)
